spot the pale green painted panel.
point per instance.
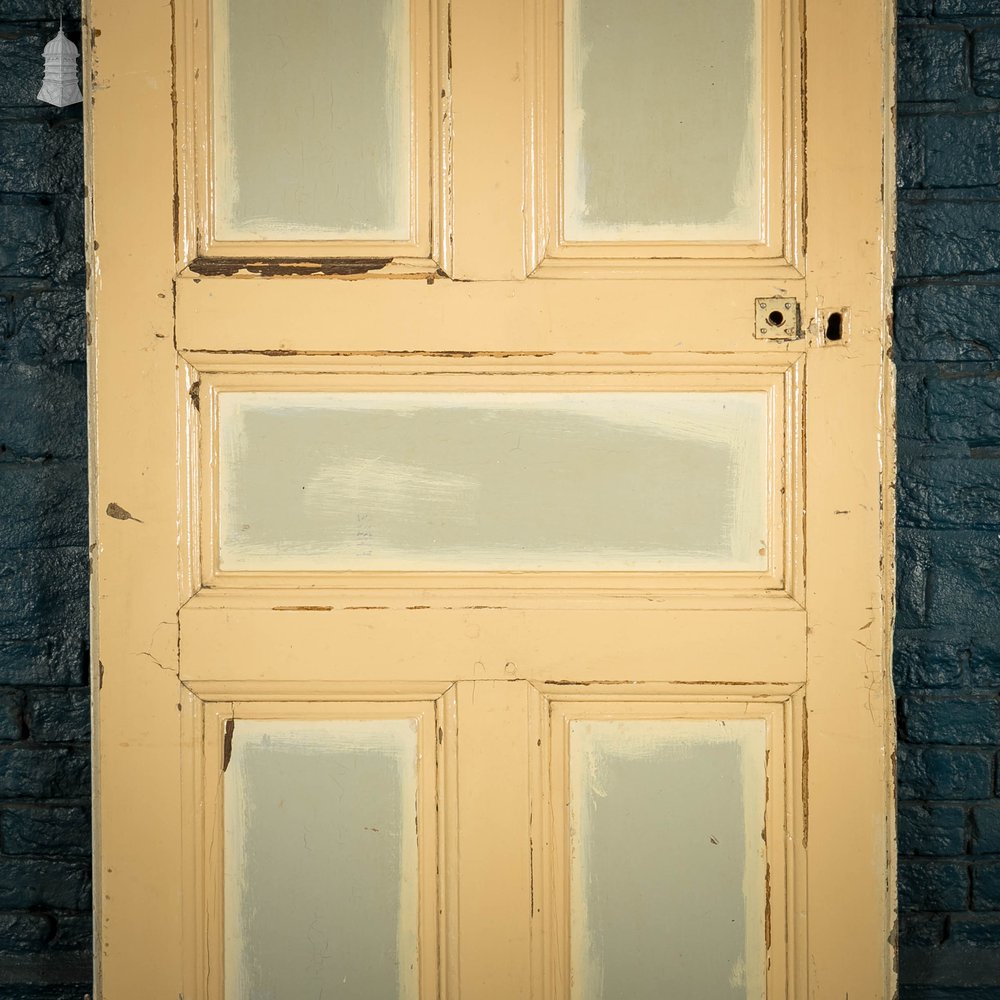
(312, 112)
(478, 480)
(321, 860)
(662, 120)
(667, 865)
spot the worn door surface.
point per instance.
(490, 499)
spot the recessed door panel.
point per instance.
(667, 825)
(667, 866)
(321, 869)
(312, 122)
(494, 481)
(662, 120)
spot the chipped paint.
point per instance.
(119, 513)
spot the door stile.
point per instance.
(133, 437)
(849, 536)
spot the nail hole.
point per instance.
(835, 326)
(776, 318)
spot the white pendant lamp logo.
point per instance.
(59, 85)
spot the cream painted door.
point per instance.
(491, 499)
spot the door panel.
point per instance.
(661, 122)
(667, 846)
(694, 541)
(309, 129)
(321, 858)
(671, 479)
(318, 842)
(665, 134)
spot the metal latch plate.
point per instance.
(777, 319)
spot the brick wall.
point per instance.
(947, 665)
(45, 924)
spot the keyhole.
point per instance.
(835, 326)
(776, 318)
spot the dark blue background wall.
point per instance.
(45, 936)
(947, 347)
(948, 638)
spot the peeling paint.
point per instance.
(119, 513)
(227, 743)
(275, 266)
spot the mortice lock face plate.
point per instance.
(777, 318)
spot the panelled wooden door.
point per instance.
(491, 498)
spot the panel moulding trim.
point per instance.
(781, 706)
(780, 376)
(208, 717)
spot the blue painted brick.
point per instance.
(984, 664)
(49, 326)
(949, 493)
(20, 64)
(73, 932)
(913, 565)
(937, 886)
(942, 237)
(915, 8)
(44, 504)
(961, 150)
(958, 8)
(929, 830)
(964, 584)
(57, 715)
(986, 61)
(921, 930)
(29, 237)
(45, 411)
(25, 932)
(43, 773)
(36, 10)
(41, 587)
(986, 885)
(44, 882)
(947, 151)
(965, 407)
(41, 157)
(944, 773)
(973, 721)
(978, 930)
(11, 715)
(986, 828)
(54, 660)
(911, 148)
(59, 830)
(911, 405)
(80, 990)
(922, 663)
(66, 263)
(945, 322)
(6, 320)
(933, 63)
